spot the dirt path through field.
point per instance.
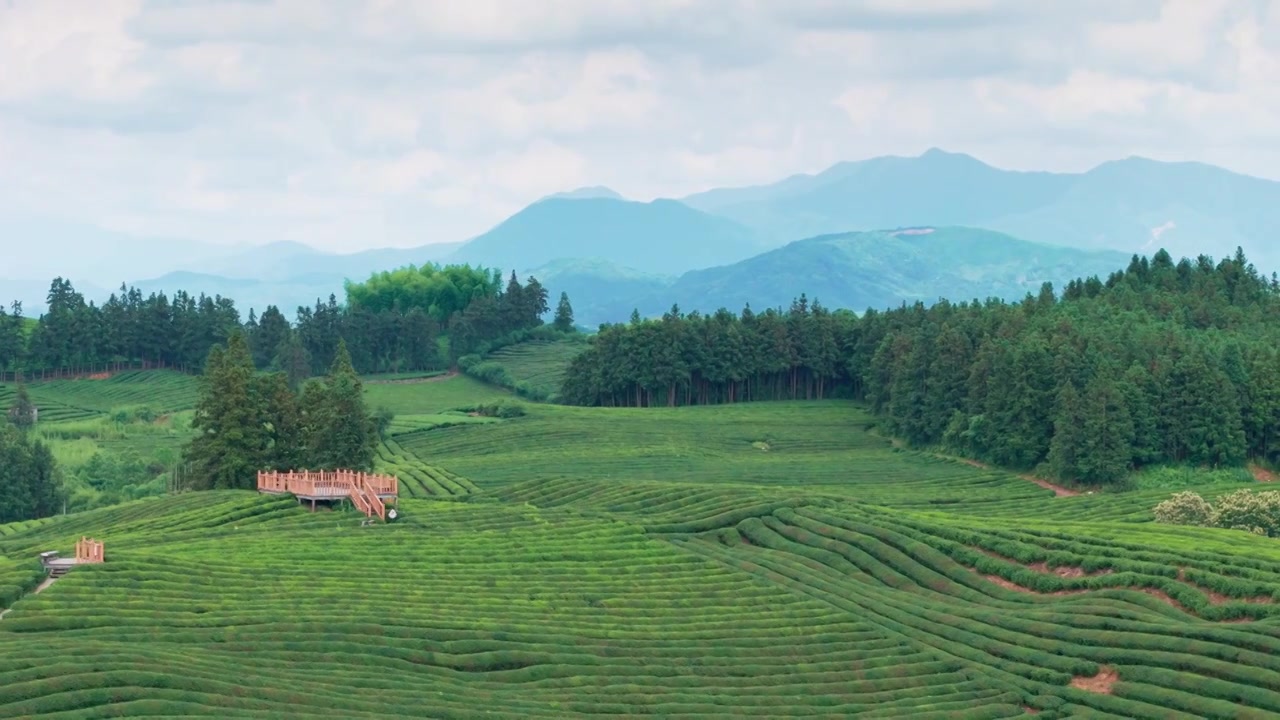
(1058, 490)
(415, 381)
(1263, 475)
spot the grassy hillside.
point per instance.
(763, 560)
(534, 369)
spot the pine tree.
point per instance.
(1068, 440)
(272, 330)
(293, 360)
(283, 420)
(564, 314)
(30, 481)
(339, 432)
(533, 303)
(1107, 432)
(23, 413)
(232, 442)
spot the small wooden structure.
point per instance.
(367, 491)
(89, 550)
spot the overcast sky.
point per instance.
(348, 124)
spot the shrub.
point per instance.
(1258, 513)
(1184, 508)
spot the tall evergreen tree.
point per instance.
(273, 329)
(564, 314)
(30, 481)
(339, 431)
(293, 360)
(232, 442)
(1107, 432)
(23, 412)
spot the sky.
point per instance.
(348, 125)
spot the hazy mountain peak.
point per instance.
(586, 193)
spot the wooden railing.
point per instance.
(89, 550)
(362, 488)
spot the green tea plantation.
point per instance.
(760, 560)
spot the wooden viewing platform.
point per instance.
(367, 491)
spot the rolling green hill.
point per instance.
(884, 269)
(771, 559)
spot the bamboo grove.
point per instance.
(1162, 362)
(390, 323)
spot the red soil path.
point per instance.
(1100, 683)
(1263, 475)
(1058, 490)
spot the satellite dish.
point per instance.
(391, 514)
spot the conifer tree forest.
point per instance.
(1162, 362)
(246, 421)
(390, 323)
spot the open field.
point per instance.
(773, 559)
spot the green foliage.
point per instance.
(438, 291)
(503, 409)
(564, 314)
(1253, 512)
(1184, 508)
(338, 431)
(721, 358)
(30, 480)
(232, 441)
(23, 412)
(1179, 478)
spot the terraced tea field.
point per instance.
(540, 364)
(768, 560)
(437, 394)
(162, 391)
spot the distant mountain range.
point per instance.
(992, 232)
(1131, 205)
(857, 271)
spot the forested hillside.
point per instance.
(390, 323)
(1161, 362)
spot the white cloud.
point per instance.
(63, 48)
(349, 124)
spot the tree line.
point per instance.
(392, 322)
(700, 359)
(1162, 362)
